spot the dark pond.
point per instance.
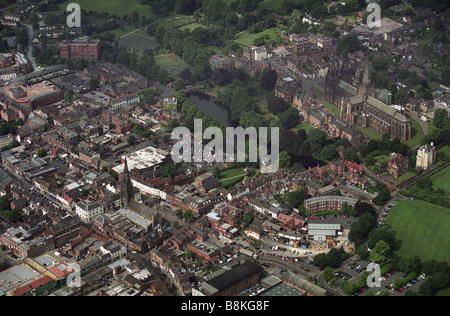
(207, 104)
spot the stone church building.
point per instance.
(360, 107)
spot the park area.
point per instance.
(441, 180)
(246, 38)
(423, 229)
(230, 177)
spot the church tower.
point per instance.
(367, 87)
(126, 190)
(331, 84)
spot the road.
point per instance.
(30, 57)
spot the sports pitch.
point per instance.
(423, 229)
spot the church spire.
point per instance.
(126, 191)
(367, 87)
(367, 77)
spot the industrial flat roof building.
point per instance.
(234, 281)
(144, 159)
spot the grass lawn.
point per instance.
(231, 176)
(247, 39)
(192, 26)
(417, 134)
(330, 107)
(231, 173)
(382, 158)
(113, 7)
(306, 126)
(170, 61)
(272, 4)
(177, 21)
(370, 132)
(423, 229)
(123, 30)
(441, 180)
(318, 92)
(407, 175)
(445, 150)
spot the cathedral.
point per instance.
(360, 107)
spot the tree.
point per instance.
(381, 253)
(216, 173)
(248, 218)
(94, 84)
(329, 153)
(188, 215)
(351, 155)
(268, 80)
(384, 233)
(69, 96)
(42, 153)
(289, 118)
(221, 77)
(284, 159)
(297, 198)
(349, 44)
(131, 140)
(277, 105)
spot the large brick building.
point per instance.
(80, 49)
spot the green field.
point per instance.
(231, 173)
(370, 132)
(170, 61)
(407, 175)
(231, 176)
(113, 7)
(272, 4)
(247, 39)
(417, 134)
(192, 26)
(306, 126)
(177, 21)
(330, 107)
(423, 229)
(445, 150)
(441, 180)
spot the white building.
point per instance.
(148, 188)
(114, 249)
(426, 156)
(88, 211)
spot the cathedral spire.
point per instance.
(367, 87)
(367, 77)
(126, 191)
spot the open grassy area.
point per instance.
(306, 126)
(370, 132)
(407, 175)
(231, 176)
(178, 21)
(192, 26)
(272, 4)
(169, 61)
(330, 107)
(247, 39)
(113, 7)
(441, 180)
(417, 134)
(231, 173)
(445, 150)
(423, 229)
